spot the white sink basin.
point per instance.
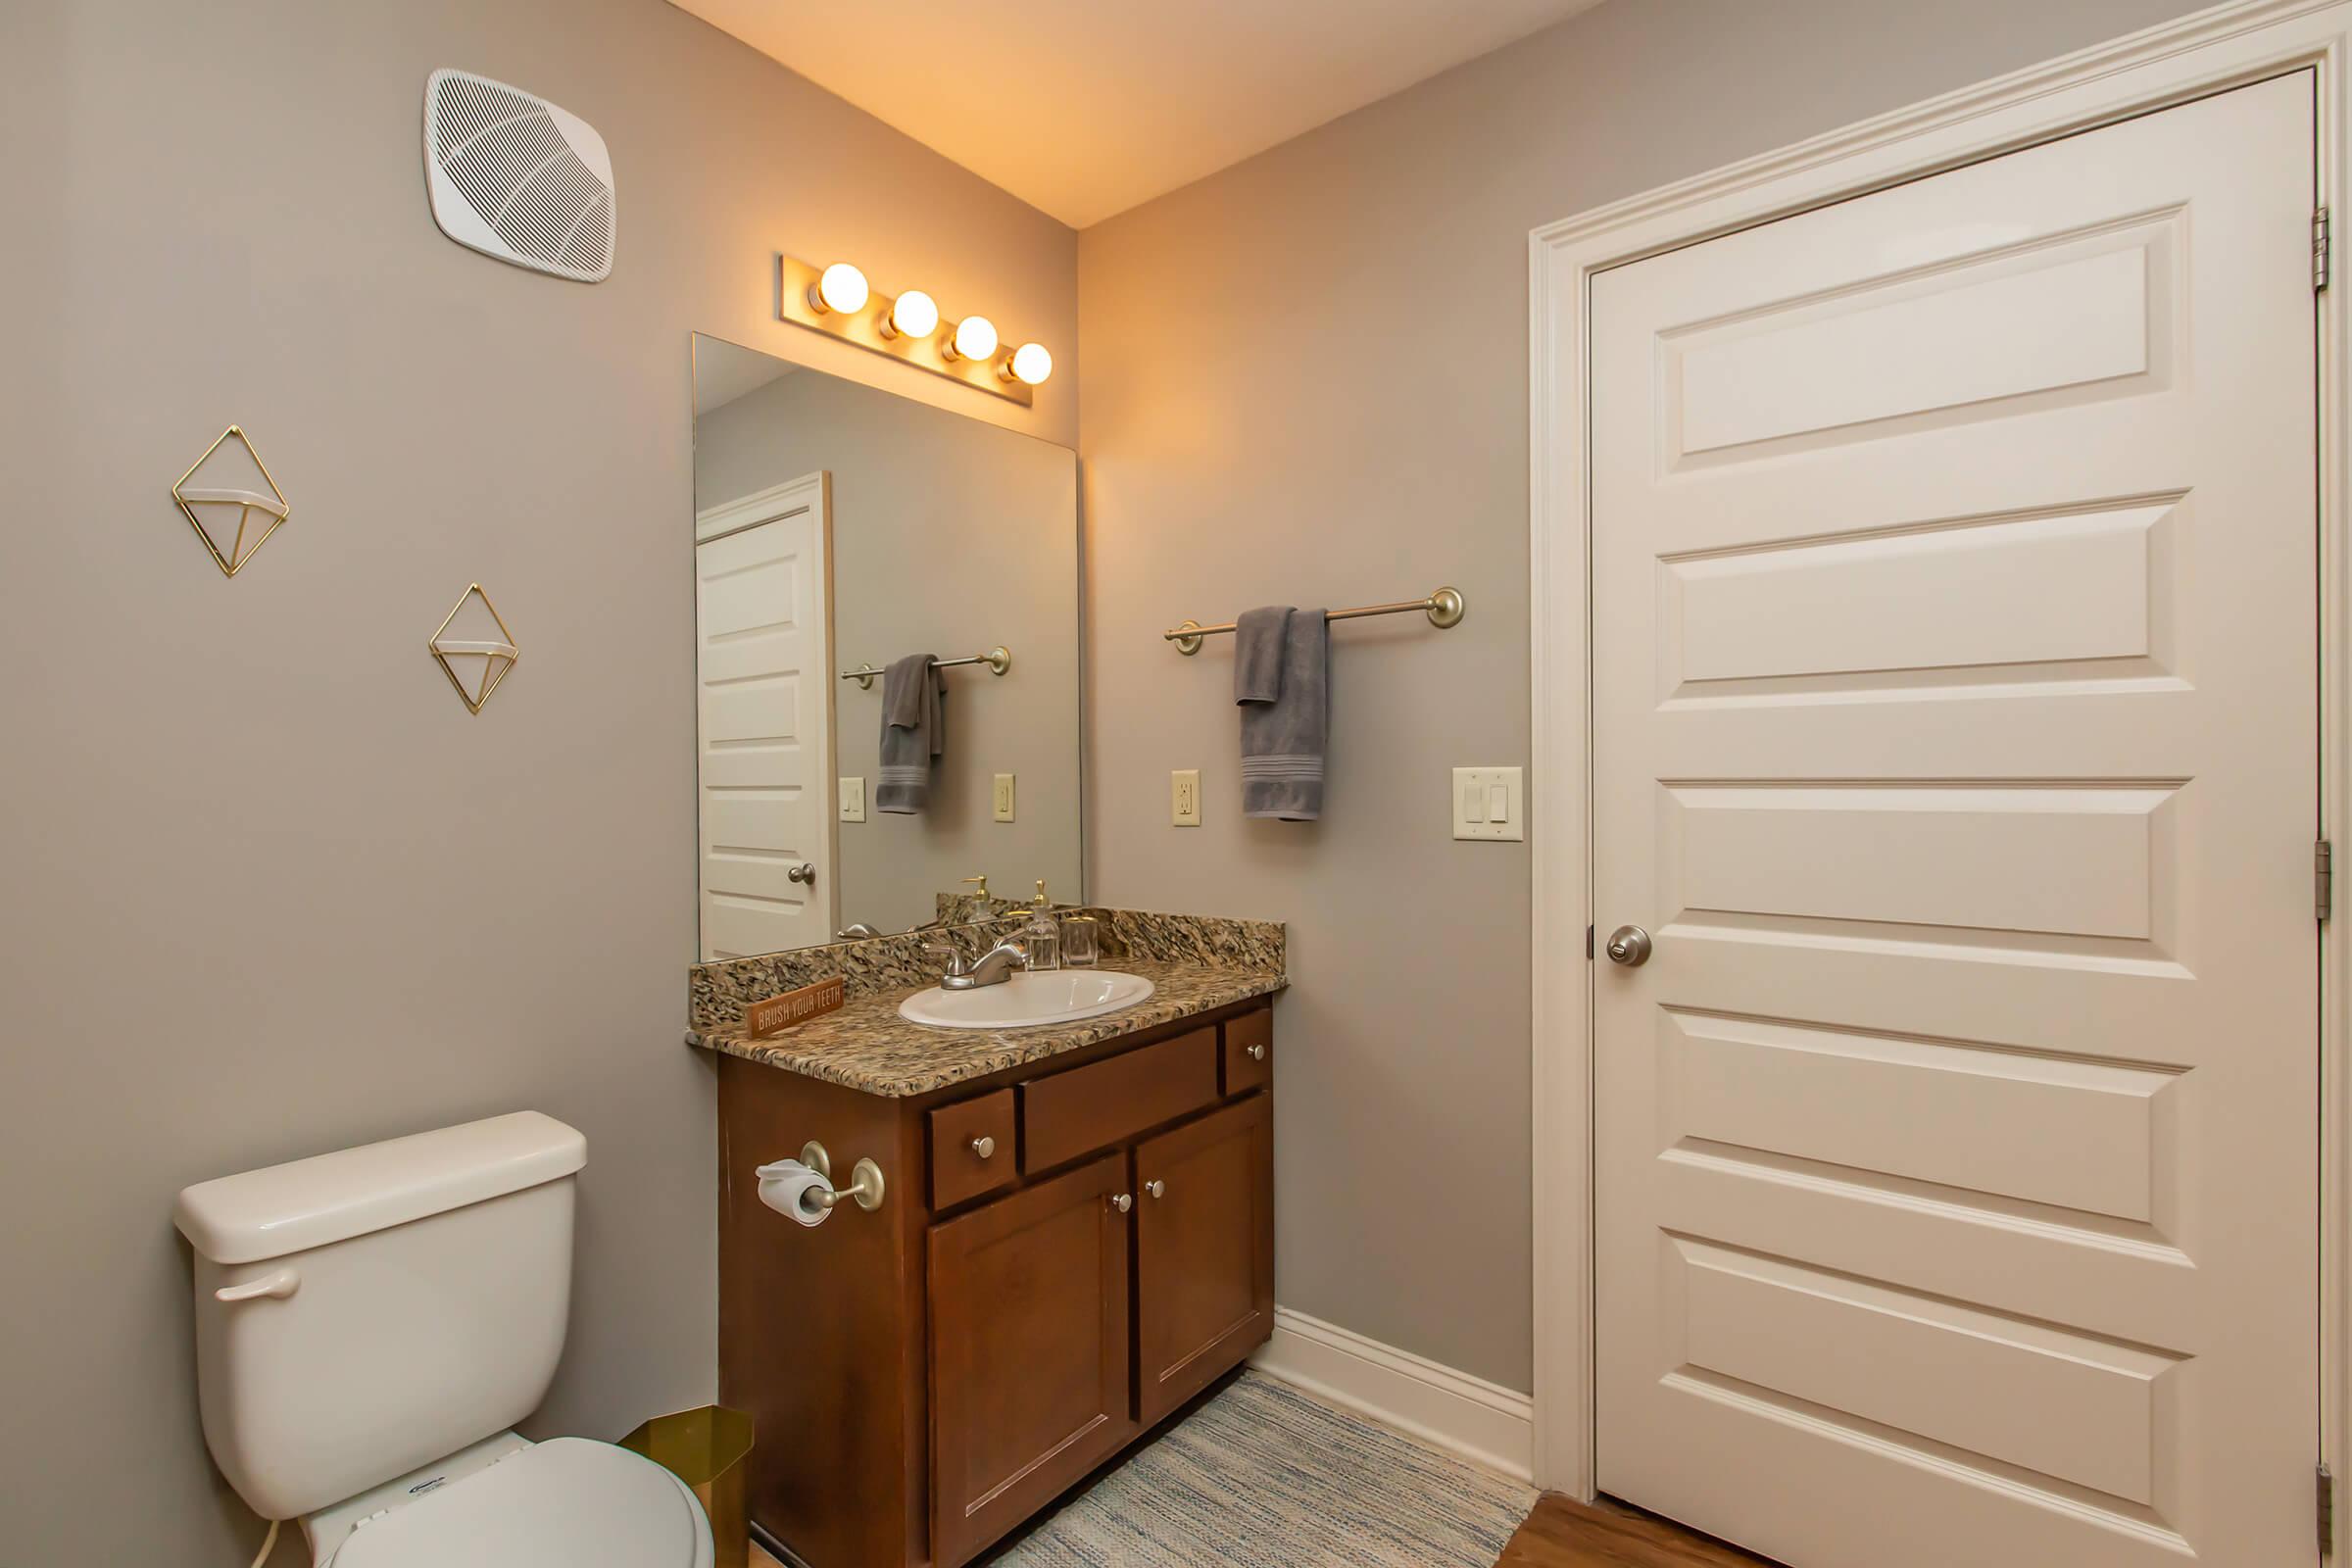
(1051, 995)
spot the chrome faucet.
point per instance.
(992, 968)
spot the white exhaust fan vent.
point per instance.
(516, 177)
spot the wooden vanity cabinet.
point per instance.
(1029, 1351)
(1203, 1252)
(1066, 1253)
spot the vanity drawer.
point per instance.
(971, 1148)
(1066, 1114)
(1249, 1055)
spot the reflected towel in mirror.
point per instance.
(914, 697)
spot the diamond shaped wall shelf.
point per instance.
(198, 501)
(497, 654)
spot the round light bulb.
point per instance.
(914, 313)
(1031, 363)
(841, 287)
(976, 338)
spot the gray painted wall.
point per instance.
(949, 536)
(1307, 383)
(267, 888)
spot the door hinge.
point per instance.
(2322, 879)
(2320, 246)
(2326, 1498)
(1588, 942)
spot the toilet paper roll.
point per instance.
(790, 1188)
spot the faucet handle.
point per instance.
(956, 968)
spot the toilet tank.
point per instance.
(363, 1313)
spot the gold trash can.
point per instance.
(705, 1449)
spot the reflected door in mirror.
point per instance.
(764, 756)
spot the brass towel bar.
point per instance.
(998, 659)
(1444, 608)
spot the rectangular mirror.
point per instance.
(840, 529)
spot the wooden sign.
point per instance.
(763, 1018)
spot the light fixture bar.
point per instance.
(868, 328)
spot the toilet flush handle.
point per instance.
(280, 1283)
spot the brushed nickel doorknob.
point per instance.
(1629, 945)
(984, 1147)
(804, 872)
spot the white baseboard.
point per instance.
(1490, 1426)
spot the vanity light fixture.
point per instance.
(839, 287)
(837, 299)
(974, 339)
(914, 314)
(1029, 364)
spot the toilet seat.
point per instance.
(567, 1503)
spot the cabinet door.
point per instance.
(1029, 1353)
(1204, 1250)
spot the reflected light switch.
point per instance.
(1488, 803)
(1004, 797)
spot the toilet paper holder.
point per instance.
(866, 1178)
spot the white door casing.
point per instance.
(1955, 727)
(763, 762)
(2214, 50)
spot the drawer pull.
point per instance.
(984, 1147)
(1157, 1189)
(1122, 1201)
(1258, 1052)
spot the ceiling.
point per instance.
(1084, 107)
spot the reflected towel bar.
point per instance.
(998, 659)
(1444, 608)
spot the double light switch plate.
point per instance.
(1488, 803)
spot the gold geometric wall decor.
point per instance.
(217, 500)
(498, 655)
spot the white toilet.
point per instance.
(369, 1324)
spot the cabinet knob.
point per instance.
(1258, 1052)
(984, 1147)
(1157, 1189)
(1122, 1201)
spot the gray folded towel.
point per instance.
(915, 729)
(1284, 728)
(1257, 652)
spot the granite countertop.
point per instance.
(867, 1045)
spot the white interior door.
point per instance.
(1955, 739)
(764, 729)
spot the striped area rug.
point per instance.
(1264, 1476)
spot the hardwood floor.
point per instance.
(1561, 1534)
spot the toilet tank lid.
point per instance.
(331, 1198)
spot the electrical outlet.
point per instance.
(1184, 797)
(1488, 803)
(853, 800)
(1004, 797)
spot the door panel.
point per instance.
(1204, 1251)
(763, 738)
(1029, 1353)
(1955, 739)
